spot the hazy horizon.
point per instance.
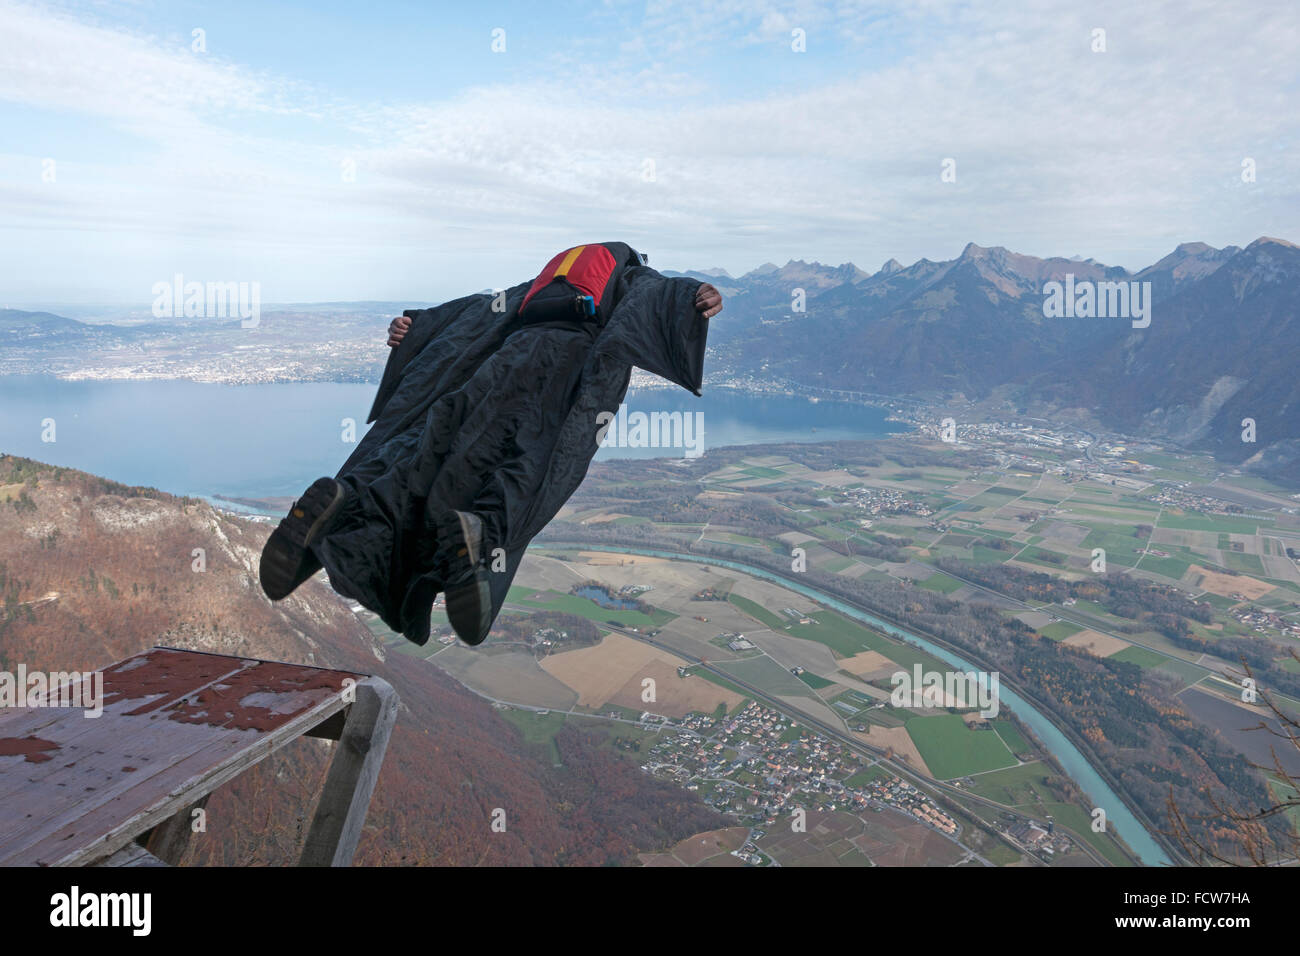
(88, 308)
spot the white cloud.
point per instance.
(1059, 150)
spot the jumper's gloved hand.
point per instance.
(397, 329)
(708, 301)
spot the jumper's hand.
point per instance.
(708, 301)
(397, 329)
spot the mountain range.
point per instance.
(1222, 343)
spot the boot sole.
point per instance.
(469, 607)
(457, 543)
(285, 554)
(469, 599)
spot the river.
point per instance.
(1118, 815)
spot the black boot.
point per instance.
(287, 559)
(460, 565)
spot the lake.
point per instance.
(193, 438)
(602, 597)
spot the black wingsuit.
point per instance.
(480, 412)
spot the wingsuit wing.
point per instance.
(655, 327)
(444, 346)
(429, 324)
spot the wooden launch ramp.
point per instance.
(121, 789)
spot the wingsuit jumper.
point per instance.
(485, 422)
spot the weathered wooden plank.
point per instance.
(148, 769)
(145, 741)
(345, 799)
(207, 778)
(21, 721)
(131, 809)
(89, 772)
(71, 728)
(77, 736)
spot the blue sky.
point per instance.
(473, 166)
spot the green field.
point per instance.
(762, 471)
(767, 675)
(1248, 563)
(999, 854)
(583, 607)
(994, 533)
(1140, 656)
(1120, 546)
(1059, 630)
(985, 501)
(885, 717)
(1023, 787)
(536, 728)
(1015, 786)
(1195, 521)
(1284, 792)
(813, 681)
(867, 775)
(982, 555)
(1079, 823)
(1045, 558)
(1011, 736)
(713, 678)
(733, 538)
(755, 610)
(951, 749)
(1171, 567)
(1188, 672)
(1117, 513)
(941, 582)
(847, 638)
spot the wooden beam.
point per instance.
(345, 798)
(168, 840)
(236, 758)
(131, 855)
(98, 786)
